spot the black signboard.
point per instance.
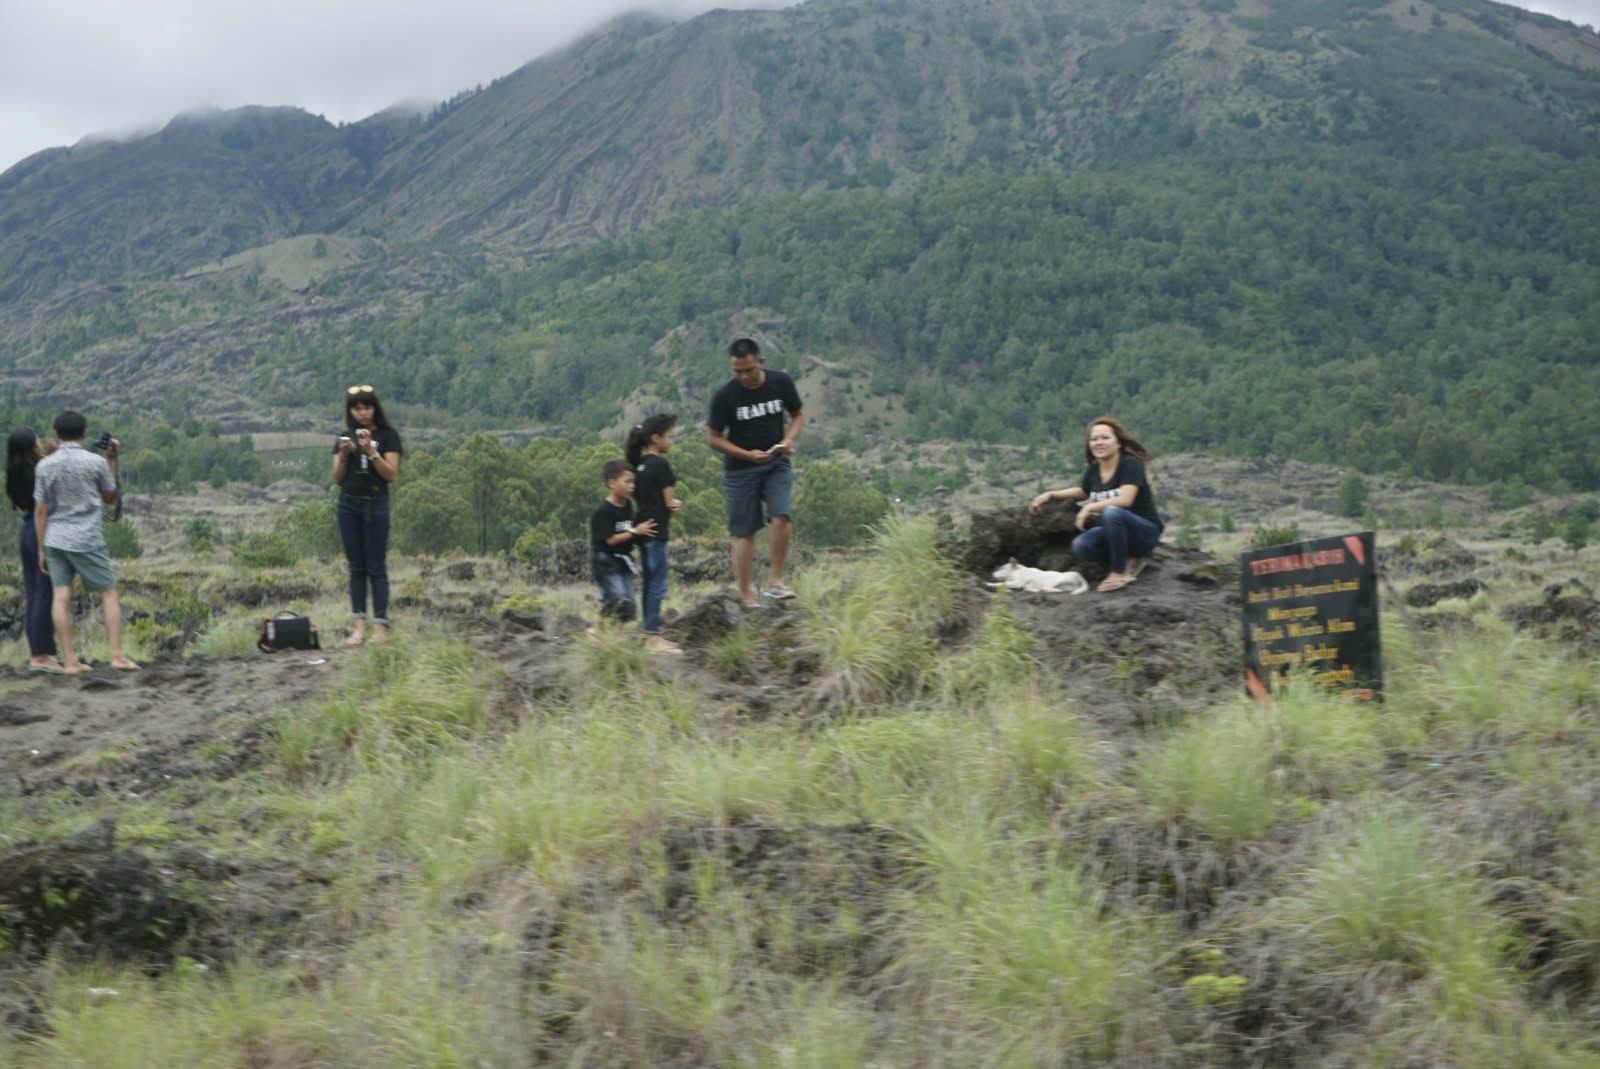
(1311, 608)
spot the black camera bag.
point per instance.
(288, 631)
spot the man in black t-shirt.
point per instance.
(747, 428)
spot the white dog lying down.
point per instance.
(1014, 576)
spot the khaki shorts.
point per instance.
(93, 565)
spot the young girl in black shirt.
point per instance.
(647, 446)
(366, 459)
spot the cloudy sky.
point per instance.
(73, 68)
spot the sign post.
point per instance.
(1312, 608)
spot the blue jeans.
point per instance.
(653, 569)
(36, 594)
(1121, 535)
(364, 529)
(614, 579)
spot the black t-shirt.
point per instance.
(607, 521)
(654, 476)
(1129, 470)
(359, 478)
(753, 419)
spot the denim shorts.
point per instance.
(746, 490)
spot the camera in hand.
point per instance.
(106, 448)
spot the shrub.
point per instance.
(837, 506)
(1281, 535)
(265, 551)
(311, 527)
(122, 540)
(202, 534)
(1353, 495)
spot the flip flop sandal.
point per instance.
(1116, 584)
(1137, 565)
(47, 670)
(778, 592)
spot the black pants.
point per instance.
(364, 529)
(36, 592)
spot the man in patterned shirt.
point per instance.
(69, 488)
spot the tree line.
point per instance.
(1434, 314)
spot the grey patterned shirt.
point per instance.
(69, 482)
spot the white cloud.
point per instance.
(71, 68)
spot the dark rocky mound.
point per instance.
(1575, 617)
(1437, 556)
(1427, 595)
(1167, 643)
(111, 903)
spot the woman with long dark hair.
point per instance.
(1116, 494)
(647, 448)
(366, 459)
(23, 452)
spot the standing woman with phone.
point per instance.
(366, 459)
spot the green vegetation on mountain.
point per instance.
(1354, 231)
(1436, 314)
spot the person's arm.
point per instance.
(387, 465)
(670, 498)
(797, 423)
(41, 516)
(341, 453)
(718, 442)
(642, 529)
(1071, 493)
(1126, 496)
(108, 486)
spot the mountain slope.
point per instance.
(1395, 201)
(644, 120)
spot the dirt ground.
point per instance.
(178, 717)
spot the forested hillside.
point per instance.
(1348, 230)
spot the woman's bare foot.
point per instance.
(657, 644)
(123, 664)
(45, 664)
(357, 636)
(380, 633)
(74, 668)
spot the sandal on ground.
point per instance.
(1108, 585)
(778, 592)
(1137, 565)
(657, 644)
(48, 669)
(125, 666)
(355, 640)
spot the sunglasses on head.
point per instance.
(359, 389)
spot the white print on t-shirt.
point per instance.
(624, 525)
(1104, 495)
(765, 408)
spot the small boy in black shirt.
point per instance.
(611, 536)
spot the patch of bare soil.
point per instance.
(115, 731)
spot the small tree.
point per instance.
(1353, 495)
(122, 540)
(202, 534)
(150, 468)
(835, 506)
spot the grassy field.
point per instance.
(948, 864)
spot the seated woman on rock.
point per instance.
(1114, 488)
